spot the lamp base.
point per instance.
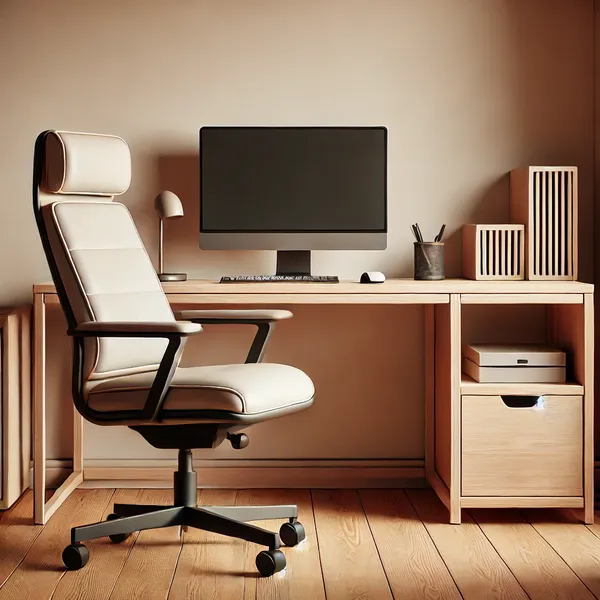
(172, 276)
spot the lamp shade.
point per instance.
(168, 205)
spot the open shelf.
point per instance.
(470, 387)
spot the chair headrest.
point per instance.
(86, 164)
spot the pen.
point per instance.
(438, 237)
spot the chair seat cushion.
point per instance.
(240, 388)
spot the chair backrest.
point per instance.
(98, 262)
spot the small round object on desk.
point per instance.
(372, 277)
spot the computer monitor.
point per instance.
(293, 189)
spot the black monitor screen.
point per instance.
(296, 179)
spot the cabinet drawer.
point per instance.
(522, 446)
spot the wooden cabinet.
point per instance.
(512, 444)
(15, 413)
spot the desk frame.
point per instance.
(452, 293)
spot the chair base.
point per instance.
(231, 521)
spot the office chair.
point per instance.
(127, 346)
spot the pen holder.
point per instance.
(429, 261)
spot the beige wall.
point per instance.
(468, 89)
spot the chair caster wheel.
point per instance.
(117, 538)
(291, 534)
(75, 556)
(269, 562)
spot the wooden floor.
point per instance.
(373, 544)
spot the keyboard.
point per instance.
(280, 278)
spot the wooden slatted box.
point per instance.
(545, 200)
(493, 252)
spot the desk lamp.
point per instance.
(168, 206)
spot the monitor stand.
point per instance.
(293, 262)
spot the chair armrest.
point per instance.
(174, 331)
(264, 320)
(215, 317)
(155, 329)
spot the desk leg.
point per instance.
(429, 392)
(588, 410)
(42, 510)
(39, 408)
(455, 410)
(442, 404)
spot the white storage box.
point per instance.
(486, 363)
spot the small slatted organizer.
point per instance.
(492, 252)
(545, 200)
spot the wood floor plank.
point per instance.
(575, 543)
(542, 573)
(361, 545)
(38, 575)
(211, 565)
(106, 560)
(351, 565)
(476, 567)
(411, 561)
(148, 572)
(302, 577)
(17, 534)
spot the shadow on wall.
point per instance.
(59, 357)
(489, 206)
(180, 174)
(553, 87)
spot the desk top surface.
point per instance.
(391, 286)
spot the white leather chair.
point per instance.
(127, 345)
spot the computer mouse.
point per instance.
(372, 277)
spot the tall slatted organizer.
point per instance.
(545, 200)
(15, 403)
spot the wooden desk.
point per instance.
(569, 323)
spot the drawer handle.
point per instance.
(521, 401)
